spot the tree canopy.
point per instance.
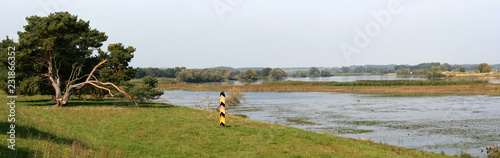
(248, 75)
(277, 74)
(485, 68)
(314, 72)
(55, 51)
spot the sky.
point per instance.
(283, 33)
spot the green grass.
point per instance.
(115, 128)
(380, 83)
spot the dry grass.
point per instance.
(472, 75)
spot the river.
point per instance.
(452, 124)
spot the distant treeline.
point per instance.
(211, 74)
(430, 70)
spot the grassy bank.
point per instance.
(114, 128)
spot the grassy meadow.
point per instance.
(116, 128)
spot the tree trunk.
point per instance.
(65, 98)
(57, 96)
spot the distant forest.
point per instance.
(223, 73)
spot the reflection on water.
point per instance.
(452, 124)
(495, 81)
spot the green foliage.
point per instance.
(145, 92)
(265, 72)
(55, 52)
(57, 41)
(30, 86)
(425, 65)
(419, 72)
(379, 83)
(386, 70)
(399, 67)
(51, 48)
(346, 69)
(156, 72)
(403, 71)
(359, 69)
(435, 72)
(117, 69)
(277, 74)
(258, 72)
(314, 72)
(370, 69)
(249, 75)
(484, 68)
(461, 69)
(231, 75)
(325, 73)
(205, 75)
(299, 74)
(4, 49)
(446, 67)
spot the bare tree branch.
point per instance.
(95, 83)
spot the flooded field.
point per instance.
(450, 124)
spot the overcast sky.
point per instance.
(283, 33)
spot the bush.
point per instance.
(461, 69)
(145, 92)
(277, 74)
(235, 96)
(30, 86)
(205, 75)
(299, 74)
(314, 72)
(325, 73)
(485, 68)
(404, 71)
(249, 75)
(435, 73)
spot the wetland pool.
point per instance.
(452, 124)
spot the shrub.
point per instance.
(484, 68)
(235, 96)
(435, 73)
(145, 92)
(277, 74)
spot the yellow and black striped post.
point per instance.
(222, 109)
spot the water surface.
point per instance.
(453, 124)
